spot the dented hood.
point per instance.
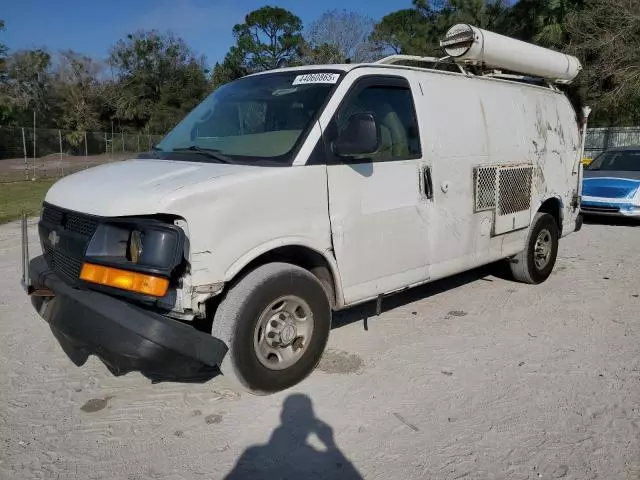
(134, 187)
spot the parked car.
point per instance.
(611, 183)
(289, 194)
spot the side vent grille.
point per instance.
(485, 188)
(514, 189)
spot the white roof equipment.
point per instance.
(470, 45)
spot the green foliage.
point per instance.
(409, 32)
(269, 38)
(321, 54)
(605, 34)
(159, 79)
(28, 87)
(80, 94)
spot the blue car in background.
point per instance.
(611, 183)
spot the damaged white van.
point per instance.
(292, 193)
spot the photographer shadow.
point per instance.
(289, 455)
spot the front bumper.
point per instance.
(608, 209)
(609, 206)
(125, 337)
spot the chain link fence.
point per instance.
(600, 139)
(34, 154)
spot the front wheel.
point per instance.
(534, 264)
(275, 321)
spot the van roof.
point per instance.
(347, 67)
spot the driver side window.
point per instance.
(391, 104)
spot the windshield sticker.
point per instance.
(316, 78)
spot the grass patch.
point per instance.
(18, 196)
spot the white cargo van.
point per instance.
(292, 193)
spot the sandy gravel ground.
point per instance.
(474, 377)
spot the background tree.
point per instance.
(233, 67)
(320, 54)
(347, 32)
(542, 21)
(605, 35)
(4, 109)
(80, 92)
(28, 87)
(408, 31)
(159, 79)
(270, 37)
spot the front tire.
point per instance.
(534, 264)
(275, 321)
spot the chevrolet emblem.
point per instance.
(54, 238)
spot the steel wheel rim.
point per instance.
(283, 332)
(542, 249)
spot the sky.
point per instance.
(92, 28)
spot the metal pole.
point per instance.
(86, 152)
(24, 151)
(34, 144)
(60, 140)
(586, 111)
(25, 252)
(122, 136)
(138, 139)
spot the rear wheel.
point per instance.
(275, 321)
(534, 264)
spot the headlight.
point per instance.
(139, 245)
(135, 246)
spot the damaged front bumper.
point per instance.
(125, 337)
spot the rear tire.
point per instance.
(534, 264)
(275, 321)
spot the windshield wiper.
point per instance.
(208, 152)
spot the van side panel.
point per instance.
(528, 134)
(456, 140)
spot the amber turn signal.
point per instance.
(124, 280)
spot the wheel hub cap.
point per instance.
(283, 332)
(542, 251)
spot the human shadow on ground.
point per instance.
(289, 455)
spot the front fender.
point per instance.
(255, 253)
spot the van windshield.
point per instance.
(253, 120)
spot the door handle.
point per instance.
(427, 182)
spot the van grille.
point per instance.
(72, 221)
(75, 230)
(62, 263)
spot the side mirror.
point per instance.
(360, 138)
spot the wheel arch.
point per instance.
(554, 207)
(322, 265)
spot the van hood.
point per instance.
(134, 187)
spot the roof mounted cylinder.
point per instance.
(467, 44)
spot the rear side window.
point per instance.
(391, 103)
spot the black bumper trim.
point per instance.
(125, 337)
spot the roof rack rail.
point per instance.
(530, 79)
(432, 61)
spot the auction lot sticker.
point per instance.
(316, 78)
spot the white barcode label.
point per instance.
(316, 78)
